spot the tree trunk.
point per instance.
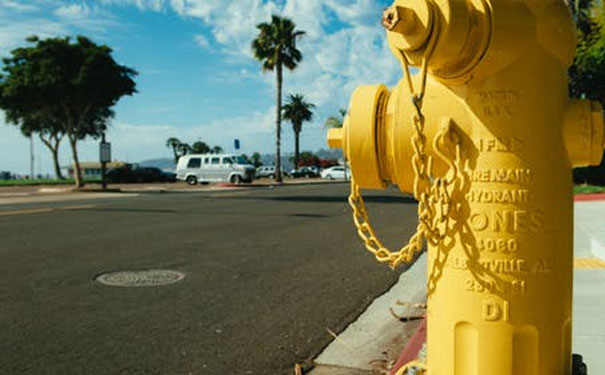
(278, 176)
(54, 149)
(77, 171)
(55, 153)
(296, 148)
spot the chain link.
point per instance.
(432, 193)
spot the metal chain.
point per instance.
(432, 193)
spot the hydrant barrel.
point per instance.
(496, 136)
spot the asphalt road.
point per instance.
(268, 272)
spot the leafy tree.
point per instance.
(307, 158)
(71, 85)
(200, 147)
(297, 111)
(336, 121)
(174, 143)
(275, 47)
(256, 160)
(217, 150)
(582, 10)
(587, 73)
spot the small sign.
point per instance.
(236, 143)
(105, 152)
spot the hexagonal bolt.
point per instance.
(398, 19)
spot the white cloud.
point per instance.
(90, 18)
(155, 5)
(73, 11)
(201, 41)
(308, 15)
(18, 6)
(335, 60)
(13, 31)
(15, 27)
(356, 12)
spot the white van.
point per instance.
(206, 168)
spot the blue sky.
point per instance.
(198, 80)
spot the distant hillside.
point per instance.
(329, 154)
(163, 164)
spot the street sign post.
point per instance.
(104, 157)
(105, 152)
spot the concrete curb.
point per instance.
(589, 197)
(375, 340)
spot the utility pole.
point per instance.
(31, 156)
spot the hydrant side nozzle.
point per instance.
(584, 133)
(335, 138)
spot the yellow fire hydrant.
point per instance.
(485, 137)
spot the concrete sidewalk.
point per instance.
(589, 284)
(369, 345)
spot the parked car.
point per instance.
(334, 172)
(152, 174)
(6, 176)
(123, 174)
(130, 173)
(268, 171)
(204, 168)
(303, 172)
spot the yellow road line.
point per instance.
(45, 209)
(227, 194)
(82, 207)
(588, 263)
(24, 212)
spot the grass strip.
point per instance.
(588, 189)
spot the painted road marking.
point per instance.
(46, 209)
(24, 212)
(14, 194)
(588, 263)
(82, 207)
(229, 195)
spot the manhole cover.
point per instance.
(140, 278)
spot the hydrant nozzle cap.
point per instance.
(335, 138)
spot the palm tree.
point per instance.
(174, 143)
(275, 47)
(297, 111)
(337, 122)
(184, 149)
(256, 160)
